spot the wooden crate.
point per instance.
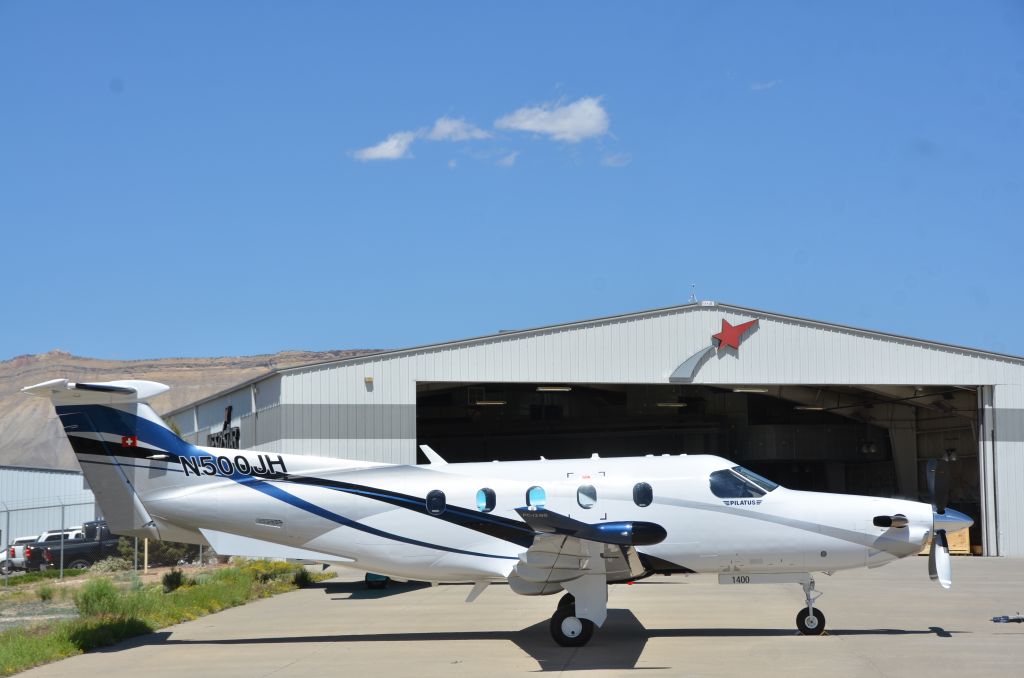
(959, 543)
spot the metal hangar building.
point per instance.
(812, 405)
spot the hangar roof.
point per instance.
(652, 312)
(701, 305)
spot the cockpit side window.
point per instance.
(755, 478)
(738, 482)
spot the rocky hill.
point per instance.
(30, 434)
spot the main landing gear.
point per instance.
(567, 629)
(810, 621)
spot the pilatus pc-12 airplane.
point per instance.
(568, 527)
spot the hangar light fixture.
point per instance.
(671, 404)
(489, 403)
(547, 389)
(809, 408)
(749, 389)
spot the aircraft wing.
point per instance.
(567, 551)
(227, 544)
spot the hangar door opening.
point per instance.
(865, 439)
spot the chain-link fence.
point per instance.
(22, 522)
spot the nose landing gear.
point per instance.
(810, 621)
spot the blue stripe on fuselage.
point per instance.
(110, 420)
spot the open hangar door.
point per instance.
(864, 439)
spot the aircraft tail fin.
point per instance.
(110, 424)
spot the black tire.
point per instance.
(810, 626)
(568, 630)
(567, 599)
(6, 567)
(80, 564)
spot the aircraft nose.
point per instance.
(952, 520)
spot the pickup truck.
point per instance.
(15, 559)
(96, 544)
(16, 553)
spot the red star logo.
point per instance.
(731, 334)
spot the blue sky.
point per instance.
(196, 178)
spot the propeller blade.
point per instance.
(938, 484)
(939, 568)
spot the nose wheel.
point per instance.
(810, 621)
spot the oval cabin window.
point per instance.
(535, 496)
(643, 495)
(485, 500)
(435, 502)
(586, 496)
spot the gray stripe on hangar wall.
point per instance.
(1009, 424)
(317, 422)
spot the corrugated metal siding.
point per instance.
(1008, 403)
(638, 350)
(22, 491)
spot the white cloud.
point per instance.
(394, 147)
(617, 160)
(573, 122)
(452, 164)
(508, 160)
(455, 129)
(762, 86)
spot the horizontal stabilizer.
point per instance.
(620, 533)
(227, 544)
(65, 391)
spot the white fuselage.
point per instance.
(375, 515)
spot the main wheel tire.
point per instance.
(810, 625)
(569, 630)
(567, 599)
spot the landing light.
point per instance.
(489, 403)
(549, 389)
(809, 408)
(749, 389)
(671, 404)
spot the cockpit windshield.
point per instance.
(739, 482)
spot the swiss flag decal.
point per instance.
(129, 441)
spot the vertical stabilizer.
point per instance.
(112, 430)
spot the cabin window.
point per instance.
(535, 496)
(643, 494)
(586, 496)
(485, 500)
(738, 483)
(436, 503)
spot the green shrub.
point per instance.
(172, 580)
(98, 597)
(303, 579)
(45, 592)
(112, 564)
(266, 570)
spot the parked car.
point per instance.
(96, 544)
(33, 552)
(15, 559)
